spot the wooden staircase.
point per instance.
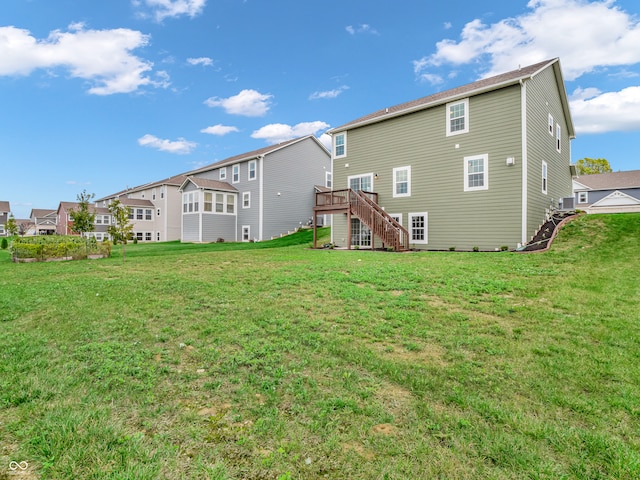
(365, 207)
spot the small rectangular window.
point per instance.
(231, 200)
(246, 233)
(130, 213)
(246, 200)
(147, 236)
(583, 197)
(223, 173)
(476, 173)
(148, 214)
(236, 173)
(219, 202)
(208, 201)
(458, 117)
(153, 194)
(328, 180)
(551, 125)
(402, 182)
(544, 177)
(418, 227)
(558, 137)
(139, 214)
(340, 145)
(252, 170)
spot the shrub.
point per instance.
(4, 244)
(504, 248)
(48, 247)
(476, 249)
(452, 249)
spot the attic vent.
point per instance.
(386, 110)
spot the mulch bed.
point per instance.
(542, 239)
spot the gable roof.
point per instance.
(609, 181)
(481, 86)
(67, 206)
(136, 202)
(175, 180)
(209, 184)
(257, 153)
(41, 212)
(5, 207)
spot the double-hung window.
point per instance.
(558, 137)
(544, 177)
(328, 179)
(208, 202)
(551, 125)
(148, 214)
(223, 173)
(361, 182)
(252, 170)
(458, 117)
(476, 173)
(418, 227)
(583, 197)
(402, 182)
(246, 199)
(340, 145)
(235, 172)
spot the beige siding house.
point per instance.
(155, 209)
(476, 166)
(5, 210)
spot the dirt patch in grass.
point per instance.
(424, 353)
(359, 449)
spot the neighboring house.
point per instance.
(614, 192)
(256, 195)
(476, 166)
(5, 211)
(43, 222)
(156, 209)
(64, 223)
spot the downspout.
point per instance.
(261, 195)
(525, 187)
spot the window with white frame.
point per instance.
(207, 202)
(246, 233)
(402, 182)
(139, 213)
(147, 236)
(246, 199)
(1, 229)
(340, 145)
(162, 192)
(361, 182)
(476, 173)
(418, 227)
(158, 211)
(252, 170)
(223, 173)
(551, 125)
(225, 203)
(148, 214)
(235, 173)
(231, 203)
(153, 194)
(458, 117)
(157, 236)
(328, 179)
(131, 213)
(558, 137)
(583, 197)
(544, 177)
(190, 202)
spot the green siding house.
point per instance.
(480, 165)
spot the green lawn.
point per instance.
(235, 361)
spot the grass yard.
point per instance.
(230, 361)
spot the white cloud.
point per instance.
(219, 130)
(326, 140)
(204, 61)
(180, 146)
(161, 9)
(329, 93)
(102, 57)
(249, 103)
(584, 34)
(279, 132)
(597, 112)
(360, 29)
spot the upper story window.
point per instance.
(162, 192)
(252, 170)
(131, 213)
(402, 182)
(139, 213)
(223, 173)
(361, 182)
(458, 117)
(246, 199)
(476, 173)
(153, 194)
(340, 145)
(328, 180)
(558, 137)
(103, 219)
(583, 197)
(235, 173)
(148, 214)
(544, 177)
(551, 125)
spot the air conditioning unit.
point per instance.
(567, 203)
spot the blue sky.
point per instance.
(101, 95)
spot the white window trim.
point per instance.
(246, 228)
(466, 117)
(328, 179)
(343, 134)
(255, 170)
(395, 182)
(485, 158)
(586, 197)
(370, 175)
(426, 227)
(223, 173)
(225, 203)
(545, 177)
(248, 196)
(558, 138)
(233, 174)
(550, 125)
(397, 217)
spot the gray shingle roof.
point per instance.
(612, 180)
(475, 88)
(209, 184)
(5, 207)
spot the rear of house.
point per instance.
(476, 166)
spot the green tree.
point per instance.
(589, 166)
(83, 219)
(120, 229)
(11, 226)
